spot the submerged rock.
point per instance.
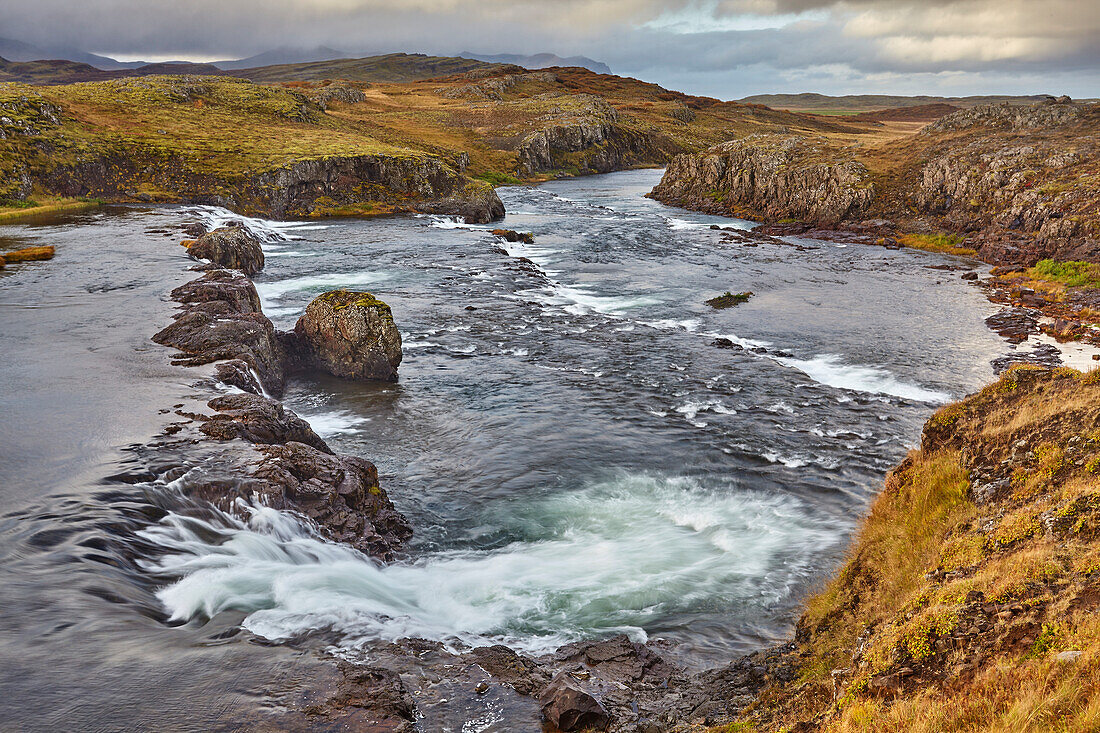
(233, 247)
(348, 334)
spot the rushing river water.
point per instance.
(576, 455)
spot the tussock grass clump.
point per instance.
(1072, 273)
(946, 243)
(728, 299)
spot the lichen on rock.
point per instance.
(348, 334)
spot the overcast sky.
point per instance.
(722, 48)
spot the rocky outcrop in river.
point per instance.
(348, 334)
(286, 465)
(235, 248)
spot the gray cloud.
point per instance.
(718, 46)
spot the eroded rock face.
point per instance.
(349, 334)
(413, 183)
(768, 177)
(221, 319)
(233, 247)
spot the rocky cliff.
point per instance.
(229, 142)
(769, 177)
(595, 141)
(1020, 184)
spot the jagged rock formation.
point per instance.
(221, 319)
(348, 334)
(769, 177)
(233, 247)
(258, 419)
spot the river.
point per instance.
(577, 456)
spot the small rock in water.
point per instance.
(513, 236)
(970, 276)
(28, 254)
(727, 299)
(725, 343)
(232, 247)
(481, 688)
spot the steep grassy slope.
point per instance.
(971, 599)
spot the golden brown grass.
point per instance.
(927, 559)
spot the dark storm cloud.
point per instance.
(791, 40)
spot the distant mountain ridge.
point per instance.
(539, 61)
(396, 67)
(854, 103)
(284, 55)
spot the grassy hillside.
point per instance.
(175, 138)
(395, 67)
(971, 598)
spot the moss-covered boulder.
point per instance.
(232, 247)
(349, 334)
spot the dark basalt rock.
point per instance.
(221, 319)
(233, 247)
(236, 373)
(348, 334)
(568, 705)
(340, 493)
(259, 419)
(1014, 324)
(1042, 355)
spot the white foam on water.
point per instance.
(334, 422)
(266, 230)
(271, 291)
(450, 222)
(691, 409)
(615, 556)
(828, 369)
(676, 224)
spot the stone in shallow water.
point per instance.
(232, 247)
(349, 334)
